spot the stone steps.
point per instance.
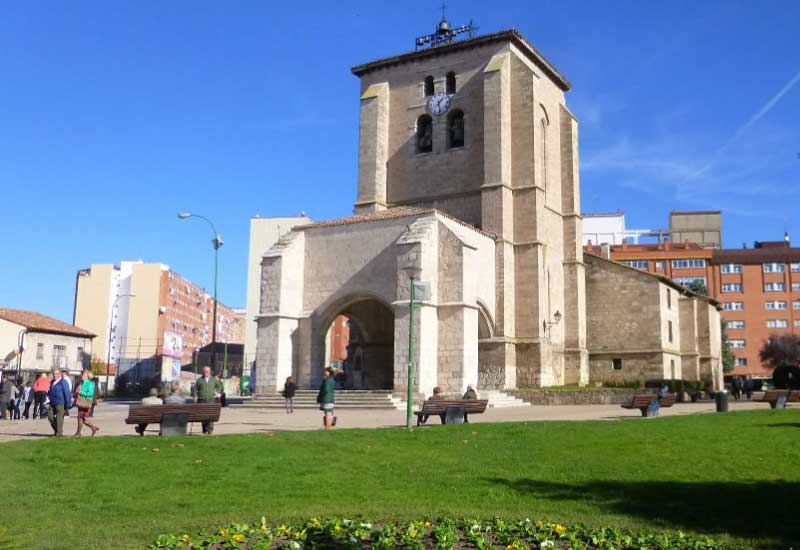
(345, 399)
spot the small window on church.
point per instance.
(424, 134)
(455, 129)
(544, 154)
(451, 83)
(428, 86)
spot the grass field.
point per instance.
(735, 474)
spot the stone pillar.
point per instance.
(373, 149)
(576, 357)
(277, 347)
(496, 195)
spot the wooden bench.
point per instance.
(153, 414)
(776, 398)
(439, 407)
(794, 396)
(643, 402)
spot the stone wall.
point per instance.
(605, 396)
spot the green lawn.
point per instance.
(736, 474)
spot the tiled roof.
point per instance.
(389, 214)
(37, 322)
(512, 35)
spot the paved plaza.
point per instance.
(110, 417)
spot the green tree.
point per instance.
(728, 358)
(698, 287)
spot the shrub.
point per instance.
(444, 534)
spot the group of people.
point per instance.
(52, 396)
(741, 385)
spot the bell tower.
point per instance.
(478, 128)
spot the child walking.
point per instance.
(289, 389)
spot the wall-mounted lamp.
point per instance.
(547, 325)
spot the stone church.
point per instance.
(468, 178)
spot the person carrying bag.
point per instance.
(84, 402)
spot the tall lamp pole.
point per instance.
(413, 273)
(110, 330)
(216, 243)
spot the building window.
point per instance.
(638, 264)
(796, 304)
(774, 287)
(777, 323)
(731, 268)
(672, 368)
(450, 86)
(797, 323)
(686, 281)
(795, 286)
(733, 306)
(40, 351)
(59, 357)
(737, 343)
(683, 264)
(796, 267)
(732, 287)
(741, 362)
(455, 129)
(735, 324)
(424, 134)
(669, 330)
(774, 268)
(616, 363)
(669, 299)
(79, 356)
(543, 159)
(428, 86)
(661, 265)
(779, 304)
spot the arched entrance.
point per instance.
(367, 359)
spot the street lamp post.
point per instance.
(413, 273)
(110, 330)
(216, 243)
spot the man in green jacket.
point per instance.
(204, 391)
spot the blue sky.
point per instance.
(117, 115)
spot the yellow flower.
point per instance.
(223, 532)
(513, 546)
(297, 536)
(337, 528)
(560, 529)
(427, 524)
(185, 538)
(315, 522)
(238, 537)
(413, 533)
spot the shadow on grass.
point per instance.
(783, 425)
(758, 510)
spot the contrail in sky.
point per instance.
(746, 126)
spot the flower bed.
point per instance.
(443, 534)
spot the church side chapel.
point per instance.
(467, 181)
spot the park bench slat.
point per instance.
(642, 401)
(772, 397)
(433, 407)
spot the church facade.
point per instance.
(467, 177)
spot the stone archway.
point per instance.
(491, 354)
(370, 352)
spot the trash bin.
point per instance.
(721, 398)
(244, 385)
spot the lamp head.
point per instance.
(183, 215)
(557, 316)
(412, 271)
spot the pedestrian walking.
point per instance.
(748, 387)
(736, 387)
(8, 392)
(40, 389)
(60, 401)
(27, 397)
(68, 380)
(206, 390)
(289, 389)
(86, 392)
(18, 390)
(326, 398)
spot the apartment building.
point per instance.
(149, 310)
(759, 287)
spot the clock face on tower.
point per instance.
(438, 104)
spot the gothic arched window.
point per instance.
(455, 129)
(424, 134)
(450, 87)
(428, 86)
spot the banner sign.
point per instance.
(173, 344)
